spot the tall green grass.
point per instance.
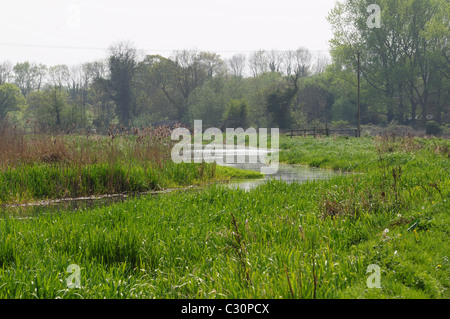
(362, 154)
(338, 153)
(44, 181)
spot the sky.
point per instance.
(76, 31)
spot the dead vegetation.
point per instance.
(17, 147)
(147, 144)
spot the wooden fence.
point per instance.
(322, 131)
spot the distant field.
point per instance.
(310, 240)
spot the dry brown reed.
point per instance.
(392, 142)
(151, 144)
(16, 147)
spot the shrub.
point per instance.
(433, 128)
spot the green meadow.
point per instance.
(309, 240)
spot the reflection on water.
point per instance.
(286, 173)
(28, 211)
(251, 158)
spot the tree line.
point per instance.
(404, 68)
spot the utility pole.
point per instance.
(359, 89)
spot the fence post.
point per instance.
(356, 132)
(314, 132)
(326, 130)
(292, 133)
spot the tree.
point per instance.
(278, 105)
(258, 62)
(78, 84)
(256, 90)
(6, 72)
(97, 94)
(103, 108)
(10, 99)
(212, 63)
(59, 76)
(275, 60)
(437, 34)
(320, 64)
(208, 102)
(155, 95)
(428, 31)
(300, 65)
(236, 114)
(316, 101)
(279, 99)
(29, 76)
(122, 66)
(159, 94)
(49, 108)
(236, 65)
(96, 70)
(188, 74)
(397, 59)
(180, 75)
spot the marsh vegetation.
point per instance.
(279, 240)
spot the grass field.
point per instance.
(310, 240)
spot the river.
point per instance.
(285, 172)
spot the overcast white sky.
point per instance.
(74, 31)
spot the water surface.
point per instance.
(286, 172)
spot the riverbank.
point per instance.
(315, 239)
